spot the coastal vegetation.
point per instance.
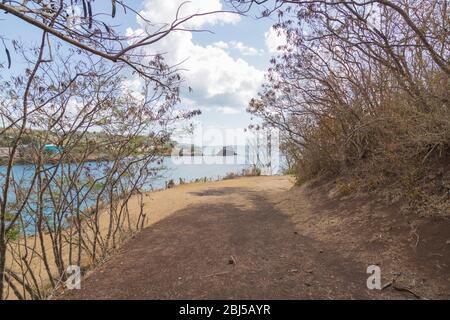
(360, 93)
(33, 140)
(71, 102)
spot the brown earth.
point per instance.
(263, 238)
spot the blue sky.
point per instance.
(224, 68)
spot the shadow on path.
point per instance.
(224, 251)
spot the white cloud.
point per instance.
(221, 45)
(228, 110)
(218, 80)
(274, 39)
(242, 48)
(165, 11)
(245, 50)
(134, 86)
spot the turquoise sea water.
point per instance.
(172, 168)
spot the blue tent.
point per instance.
(52, 148)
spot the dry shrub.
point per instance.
(365, 99)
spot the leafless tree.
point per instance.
(84, 26)
(362, 87)
(59, 210)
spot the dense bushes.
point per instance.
(362, 91)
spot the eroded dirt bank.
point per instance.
(263, 238)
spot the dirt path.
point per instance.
(230, 243)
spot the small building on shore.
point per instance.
(227, 151)
(189, 151)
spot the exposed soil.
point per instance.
(262, 238)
